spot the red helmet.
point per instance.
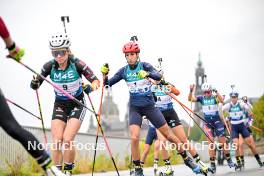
(131, 47)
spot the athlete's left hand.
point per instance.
(143, 74)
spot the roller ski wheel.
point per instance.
(203, 166)
(156, 172)
(164, 174)
(132, 173)
(139, 172)
(238, 167)
(261, 165)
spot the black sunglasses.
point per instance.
(58, 52)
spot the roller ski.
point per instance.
(243, 164)
(168, 171)
(195, 168)
(67, 173)
(138, 171)
(212, 169)
(132, 172)
(238, 167)
(261, 165)
(231, 164)
(155, 166)
(207, 169)
(54, 171)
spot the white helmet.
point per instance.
(59, 40)
(234, 93)
(206, 87)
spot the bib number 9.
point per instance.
(64, 87)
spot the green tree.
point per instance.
(258, 110)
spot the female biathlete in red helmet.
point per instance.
(141, 103)
(9, 123)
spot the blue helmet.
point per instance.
(234, 94)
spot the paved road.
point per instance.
(252, 169)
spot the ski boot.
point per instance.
(195, 168)
(138, 171)
(213, 168)
(168, 171)
(232, 164)
(54, 171)
(155, 166)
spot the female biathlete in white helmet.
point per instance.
(9, 123)
(65, 71)
(141, 103)
(214, 125)
(236, 110)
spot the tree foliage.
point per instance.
(258, 110)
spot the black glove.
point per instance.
(87, 89)
(163, 82)
(35, 84)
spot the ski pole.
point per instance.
(189, 128)
(99, 114)
(256, 128)
(41, 116)
(8, 100)
(197, 124)
(63, 19)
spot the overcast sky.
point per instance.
(228, 33)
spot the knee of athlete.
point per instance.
(67, 143)
(57, 143)
(170, 136)
(146, 152)
(162, 142)
(250, 144)
(134, 137)
(57, 139)
(222, 140)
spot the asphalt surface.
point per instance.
(251, 169)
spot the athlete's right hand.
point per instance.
(192, 86)
(35, 84)
(105, 69)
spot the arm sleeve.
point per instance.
(4, 33)
(116, 78)
(199, 98)
(245, 106)
(226, 107)
(84, 70)
(153, 73)
(45, 71)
